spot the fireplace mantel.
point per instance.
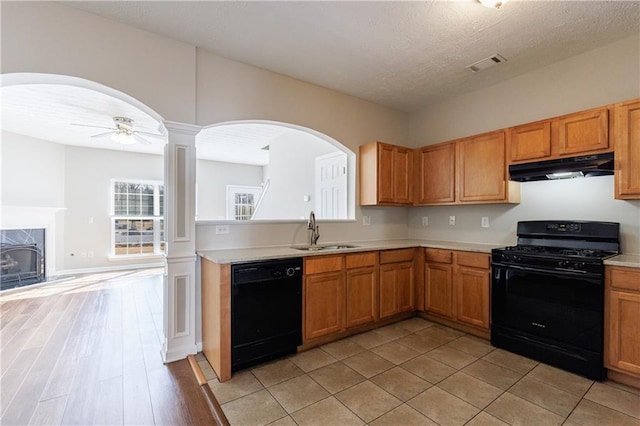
(26, 217)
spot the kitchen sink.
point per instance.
(323, 248)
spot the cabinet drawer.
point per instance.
(437, 255)
(316, 265)
(474, 260)
(359, 260)
(394, 256)
(623, 278)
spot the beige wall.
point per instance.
(47, 37)
(601, 76)
(598, 77)
(229, 90)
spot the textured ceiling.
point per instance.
(405, 55)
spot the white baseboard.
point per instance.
(109, 268)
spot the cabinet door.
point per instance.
(472, 291)
(481, 174)
(362, 296)
(397, 288)
(530, 141)
(386, 186)
(324, 304)
(583, 132)
(402, 175)
(438, 279)
(627, 141)
(624, 331)
(388, 290)
(405, 287)
(436, 171)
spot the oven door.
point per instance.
(560, 306)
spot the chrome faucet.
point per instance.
(314, 235)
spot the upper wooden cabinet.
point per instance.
(436, 174)
(530, 141)
(482, 173)
(585, 132)
(469, 170)
(627, 157)
(386, 174)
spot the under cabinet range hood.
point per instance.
(583, 166)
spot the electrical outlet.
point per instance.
(366, 220)
(485, 222)
(90, 254)
(222, 229)
(452, 220)
(90, 219)
(425, 221)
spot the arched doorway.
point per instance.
(83, 116)
(260, 170)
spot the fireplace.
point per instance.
(22, 260)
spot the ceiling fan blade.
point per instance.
(102, 135)
(140, 139)
(155, 135)
(95, 127)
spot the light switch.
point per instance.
(485, 222)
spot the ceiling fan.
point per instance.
(123, 132)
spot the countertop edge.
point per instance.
(624, 260)
(224, 256)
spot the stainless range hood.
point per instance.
(583, 166)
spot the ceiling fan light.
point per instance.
(493, 4)
(123, 138)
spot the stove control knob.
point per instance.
(563, 264)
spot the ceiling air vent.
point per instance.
(485, 63)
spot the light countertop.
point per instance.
(628, 260)
(222, 256)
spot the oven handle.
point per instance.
(554, 271)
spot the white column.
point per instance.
(180, 251)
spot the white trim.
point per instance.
(109, 268)
(117, 258)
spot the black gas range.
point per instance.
(547, 293)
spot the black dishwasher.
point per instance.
(266, 311)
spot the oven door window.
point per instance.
(563, 306)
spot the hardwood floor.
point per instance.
(87, 351)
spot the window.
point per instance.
(241, 201)
(137, 220)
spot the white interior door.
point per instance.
(331, 186)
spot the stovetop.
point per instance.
(558, 252)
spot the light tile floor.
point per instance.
(416, 372)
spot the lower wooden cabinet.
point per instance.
(397, 286)
(457, 286)
(324, 296)
(472, 280)
(342, 292)
(362, 288)
(622, 321)
(439, 288)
